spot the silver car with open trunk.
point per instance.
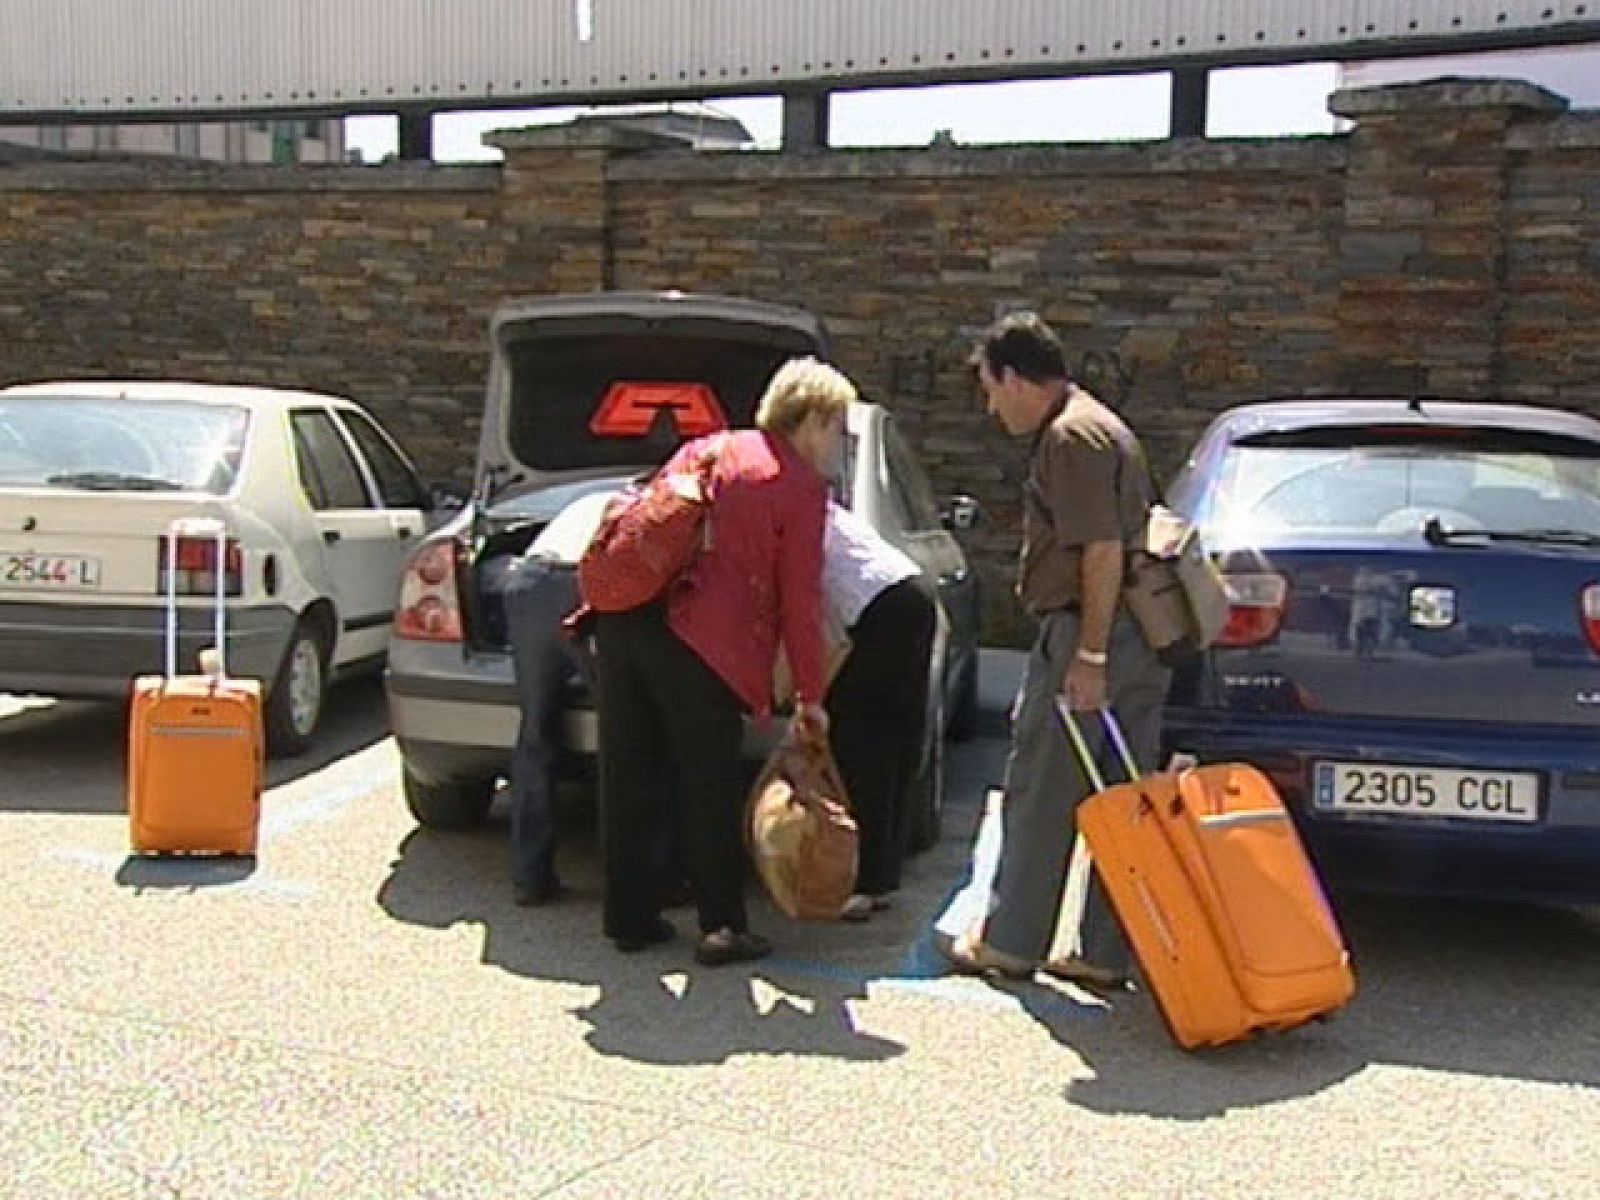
(586, 393)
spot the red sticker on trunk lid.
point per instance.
(631, 409)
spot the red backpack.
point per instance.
(649, 536)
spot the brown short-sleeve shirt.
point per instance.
(1077, 492)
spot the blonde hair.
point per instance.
(803, 387)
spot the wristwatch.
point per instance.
(1095, 658)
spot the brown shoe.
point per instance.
(970, 956)
(857, 909)
(724, 947)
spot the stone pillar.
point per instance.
(556, 202)
(1423, 249)
(1191, 92)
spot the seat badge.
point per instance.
(1433, 607)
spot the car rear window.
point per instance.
(1392, 484)
(559, 384)
(116, 444)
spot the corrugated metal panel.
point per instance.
(208, 55)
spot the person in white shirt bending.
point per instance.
(877, 703)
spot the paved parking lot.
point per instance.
(364, 1013)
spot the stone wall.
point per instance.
(1447, 245)
(1549, 334)
(1182, 276)
(374, 284)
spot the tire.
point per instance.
(963, 721)
(925, 796)
(452, 805)
(299, 693)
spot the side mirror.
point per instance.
(960, 513)
(446, 497)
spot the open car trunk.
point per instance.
(588, 392)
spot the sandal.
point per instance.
(969, 956)
(723, 947)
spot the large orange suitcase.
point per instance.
(196, 748)
(1225, 914)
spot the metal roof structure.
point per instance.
(171, 59)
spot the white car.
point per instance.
(322, 509)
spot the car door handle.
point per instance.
(331, 536)
(404, 533)
(953, 577)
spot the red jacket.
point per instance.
(760, 576)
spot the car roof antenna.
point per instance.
(1415, 406)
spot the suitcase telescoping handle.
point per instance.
(1080, 744)
(1076, 895)
(197, 527)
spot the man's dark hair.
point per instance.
(1023, 342)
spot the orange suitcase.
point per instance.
(195, 742)
(1225, 914)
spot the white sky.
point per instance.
(1246, 101)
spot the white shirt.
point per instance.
(566, 538)
(857, 564)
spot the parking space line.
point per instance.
(946, 989)
(315, 810)
(196, 872)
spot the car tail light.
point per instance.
(1255, 609)
(1590, 611)
(430, 604)
(197, 566)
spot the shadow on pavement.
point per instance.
(1472, 989)
(187, 873)
(357, 716)
(64, 757)
(656, 1007)
(1467, 989)
(70, 757)
(1492, 990)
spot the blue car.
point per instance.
(1413, 644)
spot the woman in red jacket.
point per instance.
(675, 677)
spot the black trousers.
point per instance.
(877, 711)
(663, 711)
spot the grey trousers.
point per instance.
(1044, 786)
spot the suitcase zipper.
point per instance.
(1157, 919)
(1249, 816)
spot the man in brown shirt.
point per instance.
(1085, 498)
